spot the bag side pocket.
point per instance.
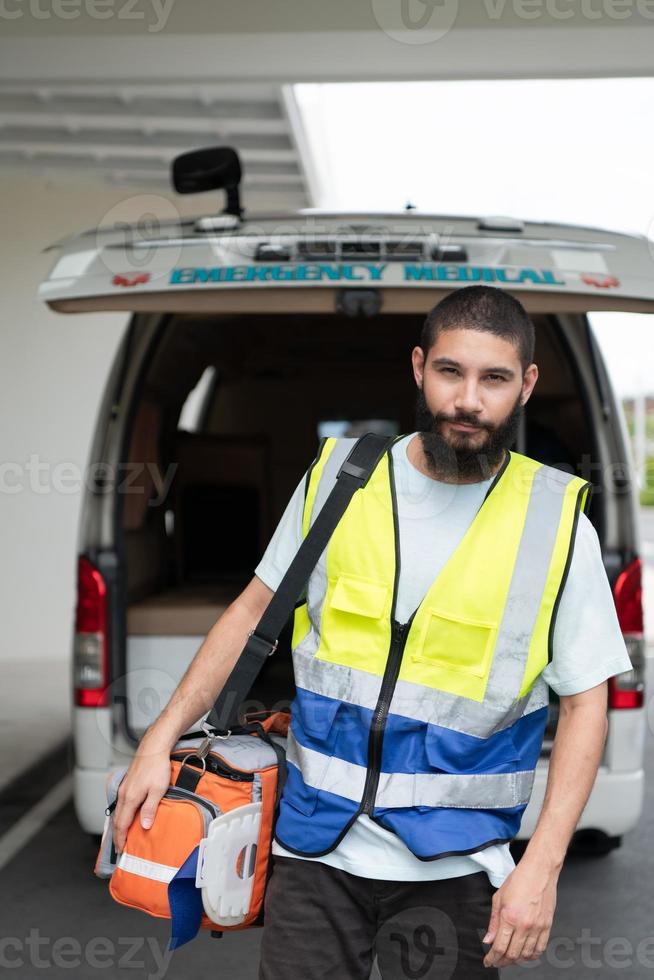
(151, 858)
(105, 862)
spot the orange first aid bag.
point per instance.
(179, 868)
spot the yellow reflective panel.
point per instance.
(453, 655)
(360, 596)
(448, 643)
(355, 624)
(453, 636)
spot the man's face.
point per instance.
(471, 394)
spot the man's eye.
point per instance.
(493, 377)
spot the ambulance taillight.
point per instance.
(90, 651)
(627, 690)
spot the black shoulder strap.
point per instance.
(262, 641)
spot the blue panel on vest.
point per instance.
(413, 746)
(439, 830)
(331, 726)
(311, 820)
(528, 736)
(409, 745)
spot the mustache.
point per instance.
(439, 417)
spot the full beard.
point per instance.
(463, 459)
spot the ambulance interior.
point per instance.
(236, 406)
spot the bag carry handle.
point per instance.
(262, 640)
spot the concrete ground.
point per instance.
(35, 715)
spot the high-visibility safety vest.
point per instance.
(432, 727)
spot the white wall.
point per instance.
(52, 373)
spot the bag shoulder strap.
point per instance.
(262, 640)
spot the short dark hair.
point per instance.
(482, 308)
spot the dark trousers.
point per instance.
(321, 923)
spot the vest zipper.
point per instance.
(398, 640)
(399, 634)
(393, 661)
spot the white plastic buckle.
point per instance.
(226, 862)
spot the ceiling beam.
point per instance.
(619, 49)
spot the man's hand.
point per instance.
(522, 915)
(145, 782)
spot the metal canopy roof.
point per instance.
(128, 134)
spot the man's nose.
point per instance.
(468, 400)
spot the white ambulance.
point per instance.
(235, 322)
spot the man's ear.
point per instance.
(529, 382)
(418, 362)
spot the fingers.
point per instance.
(124, 815)
(143, 786)
(541, 941)
(529, 948)
(149, 808)
(128, 802)
(517, 946)
(515, 951)
(500, 943)
(532, 946)
(493, 923)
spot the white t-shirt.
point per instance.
(588, 645)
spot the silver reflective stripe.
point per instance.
(478, 790)
(146, 869)
(471, 791)
(335, 680)
(527, 585)
(317, 584)
(479, 718)
(324, 772)
(427, 704)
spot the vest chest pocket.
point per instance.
(455, 752)
(314, 726)
(359, 596)
(355, 623)
(451, 643)
(316, 715)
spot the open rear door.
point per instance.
(303, 263)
